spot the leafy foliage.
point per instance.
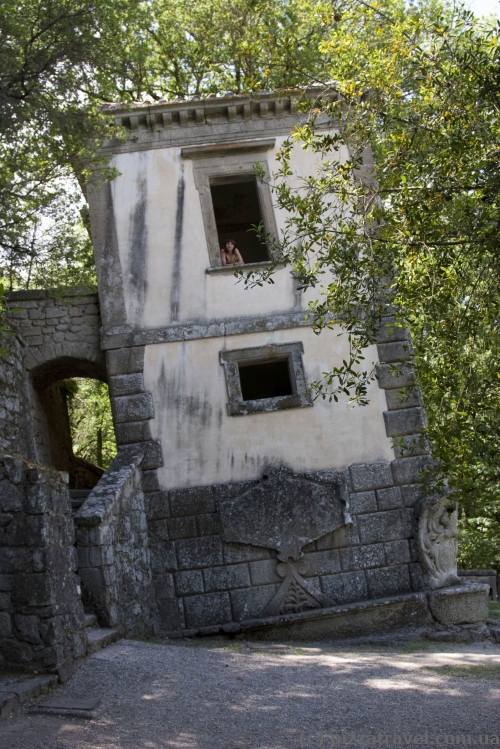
(418, 230)
(90, 420)
(62, 59)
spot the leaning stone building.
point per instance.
(236, 503)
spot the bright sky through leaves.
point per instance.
(485, 7)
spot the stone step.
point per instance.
(100, 638)
(90, 620)
(78, 497)
(17, 690)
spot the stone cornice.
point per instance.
(190, 331)
(209, 120)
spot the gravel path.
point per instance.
(213, 694)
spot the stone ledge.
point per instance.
(16, 691)
(236, 269)
(349, 620)
(57, 295)
(361, 618)
(191, 331)
(100, 502)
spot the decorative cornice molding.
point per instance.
(216, 149)
(209, 329)
(164, 124)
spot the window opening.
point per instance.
(237, 208)
(267, 379)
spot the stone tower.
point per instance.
(236, 503)
(212, 378)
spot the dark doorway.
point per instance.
(237, 209)
(267, 379)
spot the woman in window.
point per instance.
(230, 254)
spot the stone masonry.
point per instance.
(201, 580)
(59, 325)
(41, 613)
(15, 417)
(112, 545)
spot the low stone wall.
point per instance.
(112, 545)
(41, 613)
(201, 579)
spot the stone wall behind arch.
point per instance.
(57, 337)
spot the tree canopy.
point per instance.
(62, 59)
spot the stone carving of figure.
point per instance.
(438, 544)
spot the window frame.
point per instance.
(236, 406)
(216, 163)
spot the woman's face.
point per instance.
(229, 246)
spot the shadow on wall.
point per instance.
(74, 428)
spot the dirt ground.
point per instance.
(220, 694)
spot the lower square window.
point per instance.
(265, 378)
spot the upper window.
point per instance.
(232, 199)
(265, 378)
(237, 212)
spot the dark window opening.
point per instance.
(237, 209)
(268, 379)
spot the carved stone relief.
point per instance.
(438, 541)
(286, 512)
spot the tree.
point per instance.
(91, 422)
(62, 59)
(418, 232)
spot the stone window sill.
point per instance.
(216, 269)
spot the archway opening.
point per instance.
(74, 425)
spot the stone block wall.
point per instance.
(41, 613)
(112, 545)
(201, 580)
(61, 330)
(58, 323)
(15, 422)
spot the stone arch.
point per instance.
(50, 413)
(63, 367)
(61, 330)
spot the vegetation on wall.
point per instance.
(420, 86)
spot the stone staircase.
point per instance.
(78, 497)
(98, 637)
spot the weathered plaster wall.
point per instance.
(163, 248)
(164, 264)
(202, 444)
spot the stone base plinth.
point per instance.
(460, 604)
